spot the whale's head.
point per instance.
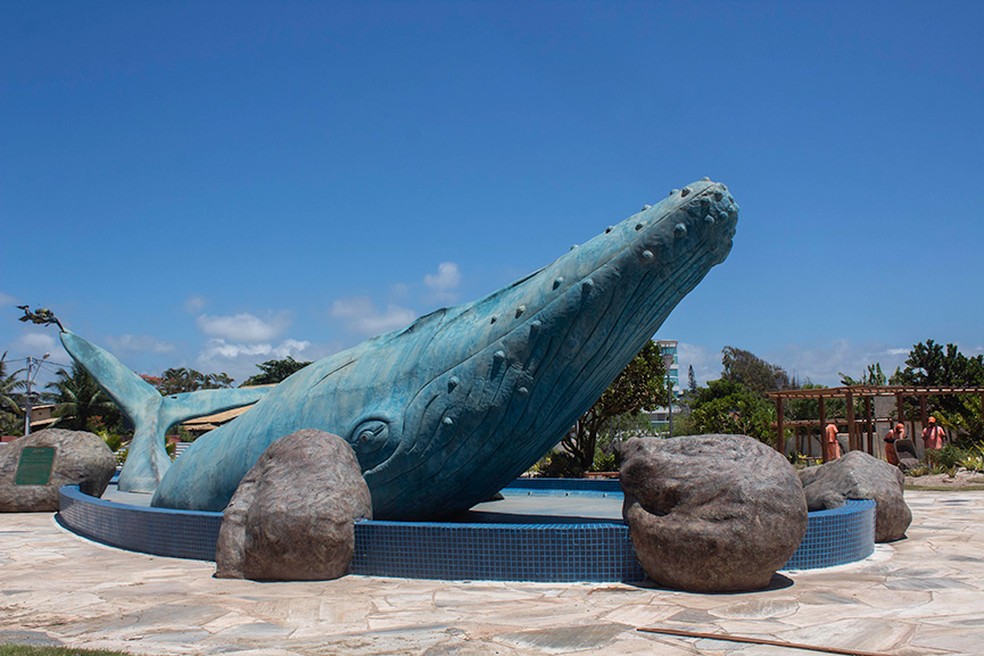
(503, 378)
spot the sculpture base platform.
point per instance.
(549, 530)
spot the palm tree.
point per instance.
(10, 409)
(79, 398)
(182, 379)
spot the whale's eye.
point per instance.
(373, 442)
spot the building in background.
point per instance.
(659, 418)
(668, 347)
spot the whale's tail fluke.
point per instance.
(150, 413)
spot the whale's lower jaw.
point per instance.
(447, 412)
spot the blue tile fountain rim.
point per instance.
(550, 552)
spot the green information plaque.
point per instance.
(34, 466)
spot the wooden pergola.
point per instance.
(866, 392)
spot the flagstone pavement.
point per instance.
(920, 595)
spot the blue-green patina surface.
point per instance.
(447, 411)
(150, 413)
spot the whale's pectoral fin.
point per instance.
(188, 405)
(150, 413)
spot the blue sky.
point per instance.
(216, 184)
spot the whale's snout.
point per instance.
(696, 221)
(712, 210)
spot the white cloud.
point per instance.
(706, 363)
(6, 299)
(444, 284)
(239, 360)
(361, 316)
(194, 304)
(819, 364)
(243, 327)
(139, 344)
(221, 349)
(823, 364)
(38, 343)
(292, 347)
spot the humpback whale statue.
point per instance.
(446, 412)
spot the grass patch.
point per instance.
(28, 650)
(971, 487)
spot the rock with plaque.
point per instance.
(34, 467)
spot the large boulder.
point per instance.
(857, 475)
(711, 513)
(75, 458)
(293, 516)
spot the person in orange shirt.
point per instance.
(891, 437)
(933, 435)
(831, 447)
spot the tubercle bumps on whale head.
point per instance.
(705, 210)
(701, 216)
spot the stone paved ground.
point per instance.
(922, 595)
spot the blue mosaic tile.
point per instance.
(599, 552)
(509, 552)
(158, 531)
(837, 536)
(559, 486)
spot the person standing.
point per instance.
(891, 437)
(933, 436)
(831, 447)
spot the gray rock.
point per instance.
(908, 463)
(807, 474)
(81, 458)
(857, 475)
(293, 516)
(711, 513)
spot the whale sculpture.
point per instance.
(446, 412)
(150, 413)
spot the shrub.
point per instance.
(559, 464)
(973, 458)
(605, 462)
(948, 458)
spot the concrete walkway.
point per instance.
(922, 595)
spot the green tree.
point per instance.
(181, 379)
(274, 371)
(11, 414)
(752, 372)
(727, 406)
(641, 385)
(872, 376)
(218, 381)
(691, 380)
(932, 364)
(79, 399)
